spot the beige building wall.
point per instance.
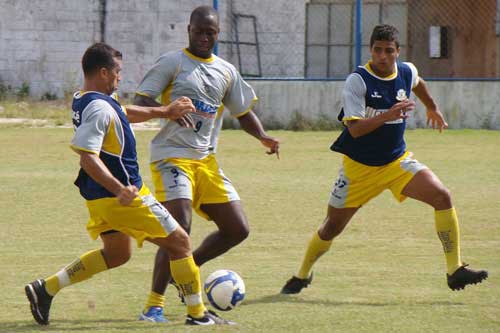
(472, 41)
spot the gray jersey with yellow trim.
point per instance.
(212, 84)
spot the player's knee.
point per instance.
(184, 241)
(237, 234)
(178, 244)
(442, 199)
(123, 258)
(117, 258)
(242, 233)
(185, 223)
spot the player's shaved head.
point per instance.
(203, 31)
(203, 13)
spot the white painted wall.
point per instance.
(465, 104)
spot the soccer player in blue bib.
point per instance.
(376, 102)
(119, 204)
(186, 174)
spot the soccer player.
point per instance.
(119, 204)
(376, 102)
(185, 172)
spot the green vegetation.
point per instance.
(50, 111)
(35, 113)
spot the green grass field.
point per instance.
(386, 273)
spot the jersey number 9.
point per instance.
(197, 126)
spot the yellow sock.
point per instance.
(317, 247)
(187, 276)
(81, 269)
(155, 299)
(449, 234)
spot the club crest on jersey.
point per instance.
(375, 94)
(76, 117)
(204, 109)
(401, 95)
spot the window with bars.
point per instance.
(330, 29)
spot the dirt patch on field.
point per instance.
(45, 123)
(24, 121)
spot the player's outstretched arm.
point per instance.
(177, 110)
(252, 125)
(435, 118)
(143, 100)
(98, 171)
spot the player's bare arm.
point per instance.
(96, 169)
(360, 127)
(178, 110)
(435, 118)
(145, 100)
(252, 125)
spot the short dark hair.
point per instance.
(97, 56)
(385, 32)
(203, 12)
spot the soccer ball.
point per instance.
(224, 289)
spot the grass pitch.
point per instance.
(385, 273)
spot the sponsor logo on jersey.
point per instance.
(204, 109)
(371, 112)
(375, 94)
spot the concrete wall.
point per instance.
(465, 104)
(144, 29)
(281, 37)
(42, 41)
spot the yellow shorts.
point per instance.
(359, 183)
(201, 181)
(144, 218)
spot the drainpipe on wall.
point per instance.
(216, 7)
(102, 19)
(358, 32)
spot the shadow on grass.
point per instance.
(77, 325)
(280, 298)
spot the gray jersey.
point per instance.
(212, 84)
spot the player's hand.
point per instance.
(399, 110)
(179, 110)
(186, 121)
(435, 119)
(127, 195)
(273, 145)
